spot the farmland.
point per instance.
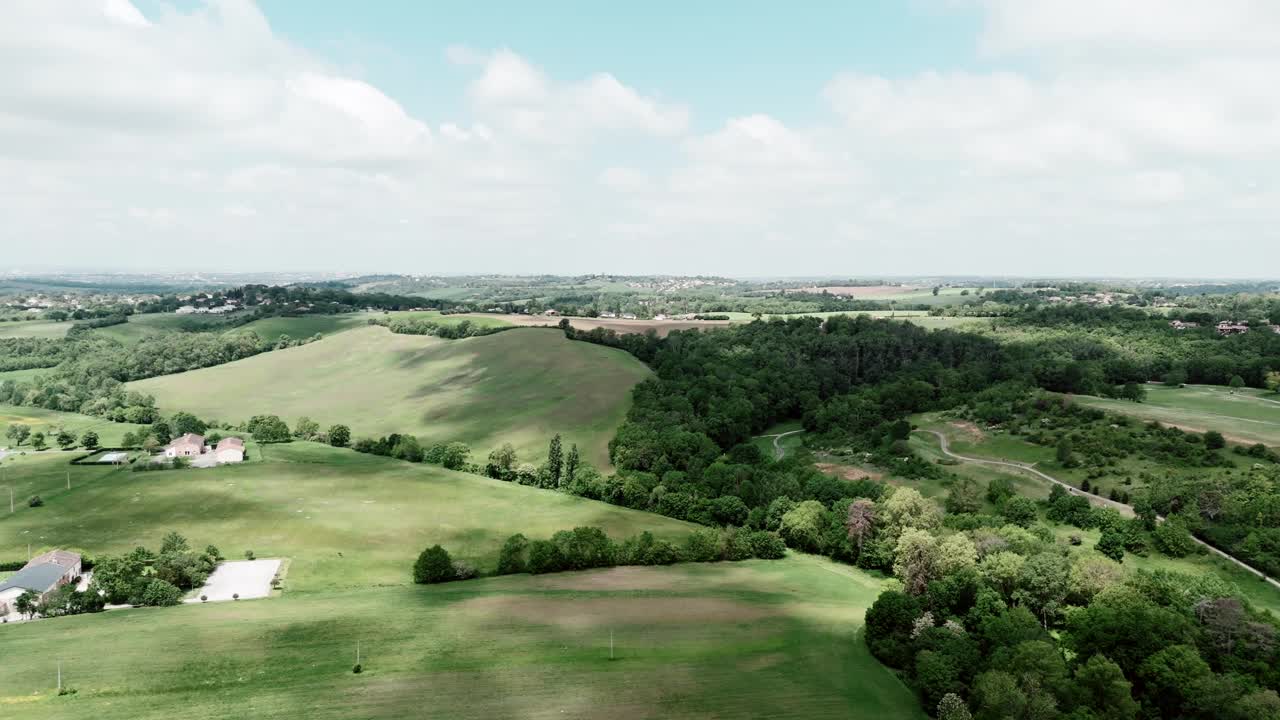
(50, 421)
(759, 638)
(35, 329)
(1245, 415)
(690, 640)
(520, 386)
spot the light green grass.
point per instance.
(347, 520)
(35, 328)
(777, 639)
(141, 326)
(23, 376)
(519, 386)
(49, 421)
(1246, 415)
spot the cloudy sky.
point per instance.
(743, 138)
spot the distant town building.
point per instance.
(1227, 327)
(1180, 325)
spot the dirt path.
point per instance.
(778, 451)
(1124, 509)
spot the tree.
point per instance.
(159, 593)
(1020, 511)
(511, 559)
(951, 707)
(65, 439)
(1043, 584)
(182, 423)
(999, 489)
(89, 440)
(1272, 381)
(502, 462)
(38, 441)
(27, 603)
(160, 428)
(964, 496)
(1002, 570)
(571, 463)
(1171, 678)
(433, 566)
(1066, 458)
(268, 429)
(1134, 392)
(1172, 538)
(306, 428)
(917, 559)
(339, 435)
(1176, 377)
(1214, 440)
(555, 459)
(455, 455)
(907, 508)
(1111, 544)
(18, 433)
(1103, 689)
(803, 526)
(1236, 382)
(861, 521)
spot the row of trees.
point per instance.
(583, 548)
(144, 577)
(20, 433)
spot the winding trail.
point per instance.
(778, 451)
(1126, 510)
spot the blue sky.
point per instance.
(920, 137)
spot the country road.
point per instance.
(1098, 500)
(778, 451)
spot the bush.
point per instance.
(433, 566)
(339, 435)
(35, 501)
(544, 557)
(702, 546)
(463, 571)
(766, 545)
(269, 429)
(511, 559)
(158, 593)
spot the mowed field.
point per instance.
(760, 638)
(50, 421)
(520, 386)
(35, 328)
(777, 639)
(1244, 416)
(622, 327)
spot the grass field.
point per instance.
(1245, 416)
(520, 386)
(49, 421)
(774, 639)
(35, 328)
(761, 638)
(22, 375)
(347, 520)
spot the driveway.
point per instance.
(246, 578)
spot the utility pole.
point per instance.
(10, 499)
(611, 644)
(59, 677)
(357, 652)
(68, 479)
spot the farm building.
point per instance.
(42, 574)
(189, 445)
(229, 450)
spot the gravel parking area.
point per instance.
(247, 578)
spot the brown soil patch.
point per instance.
(622, 327)
(859, 290)
(971, 432)
(848, 472)
(581, 614)
(618, 578)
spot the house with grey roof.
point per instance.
(42, 574)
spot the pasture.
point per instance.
(1244, 416)
(50, 421)
(35, 329)
(521, 386)
(775, 639)
(618, 325)
(345, 519)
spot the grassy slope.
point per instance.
(758, 639)
(1246, 415)
(775, 639)
(36, 328)
(22, 375)
(48, 422)
(519, 386)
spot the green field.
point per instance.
(49, 421)
(760, 638)
(774, 639)
(519, 386)
(22, 375)
(1244, 416)
(35, 328)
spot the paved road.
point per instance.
(778, 451)
(1095, 499)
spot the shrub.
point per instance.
(511, 559)
(702, 546)
(35, 501)
(463, 571)
(433, 566)
(357, 669)
(339, 435)
(158, 593)
(767, 546)
(248, 555)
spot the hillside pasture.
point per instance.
(776, 639)
(520, 386)
(50, 421)
(618, 325)
(22, 375)
(1244, 416)
(35, 329)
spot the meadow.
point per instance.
(776, 638)
(50, 421)
(35, 328)
(754, 639)
(520, 386)
(1246, 415)
(22, 375)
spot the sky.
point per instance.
(744, 138)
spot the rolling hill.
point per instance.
(519, 386)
